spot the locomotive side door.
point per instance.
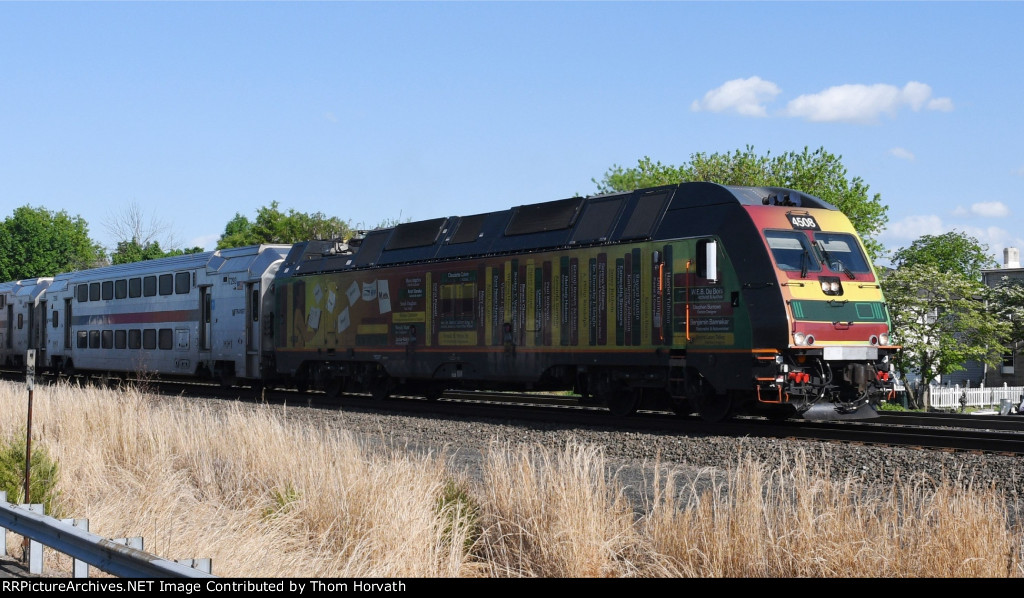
(252, 329)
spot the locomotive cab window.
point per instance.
(841, 251)
(792, 250)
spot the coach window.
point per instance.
(134, 287)
(135, 339)
(94, 339)
(149, 286)
(149, 338)
(166, 284)
(108, 339)
(82, 293)
(56, 318)
(83, 339)
(120, 289)
(108, 290)
(166, 339)
(94, 291)
(21, 321)
(119, 339)
(182, 283)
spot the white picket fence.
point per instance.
(955, 397)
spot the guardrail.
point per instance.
(107, 555)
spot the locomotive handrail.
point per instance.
(107, 555)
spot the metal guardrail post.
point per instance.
(79, 568)
(204, 565)
(35, 548)
(3, 530)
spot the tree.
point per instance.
(37, 242)
(941, 319)
(818, 173)
(133, 251)
(139, 240)
(273, 226)
(950, 252)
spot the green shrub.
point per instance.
(43, 483)
(460, 509)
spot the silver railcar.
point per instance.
(193, 315)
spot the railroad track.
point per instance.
(988, 434)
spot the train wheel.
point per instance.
(714, 407)
(380, 388)
(623, 402)
(681, 407)
(334, 387)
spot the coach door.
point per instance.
(252, 329)
(41, 341)
(205, 331)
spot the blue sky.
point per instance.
(382, 110)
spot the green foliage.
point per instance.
(460, 509)
(43, 482)
(37, 242)
(942, 320)
(817, 172)
(891, 406)
(282, 500)
(1006, 299)
(274, 226)
(948, 252)
(133, 251)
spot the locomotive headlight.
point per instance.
(884, 339)
(799, 338)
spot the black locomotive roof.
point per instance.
(572, 222)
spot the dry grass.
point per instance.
(267, 496)
(261, 496)
(794, 523)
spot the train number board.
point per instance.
(803, 221)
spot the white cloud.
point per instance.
(990, 209)
(941, 104)
(904, 231)
(863, 103)
(743, 96)
(903, 154)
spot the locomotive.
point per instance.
(696, 297)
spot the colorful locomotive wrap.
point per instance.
(679, 296)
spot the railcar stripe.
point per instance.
(143, 317)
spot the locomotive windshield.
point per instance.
(841, 252)
(792, 250)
